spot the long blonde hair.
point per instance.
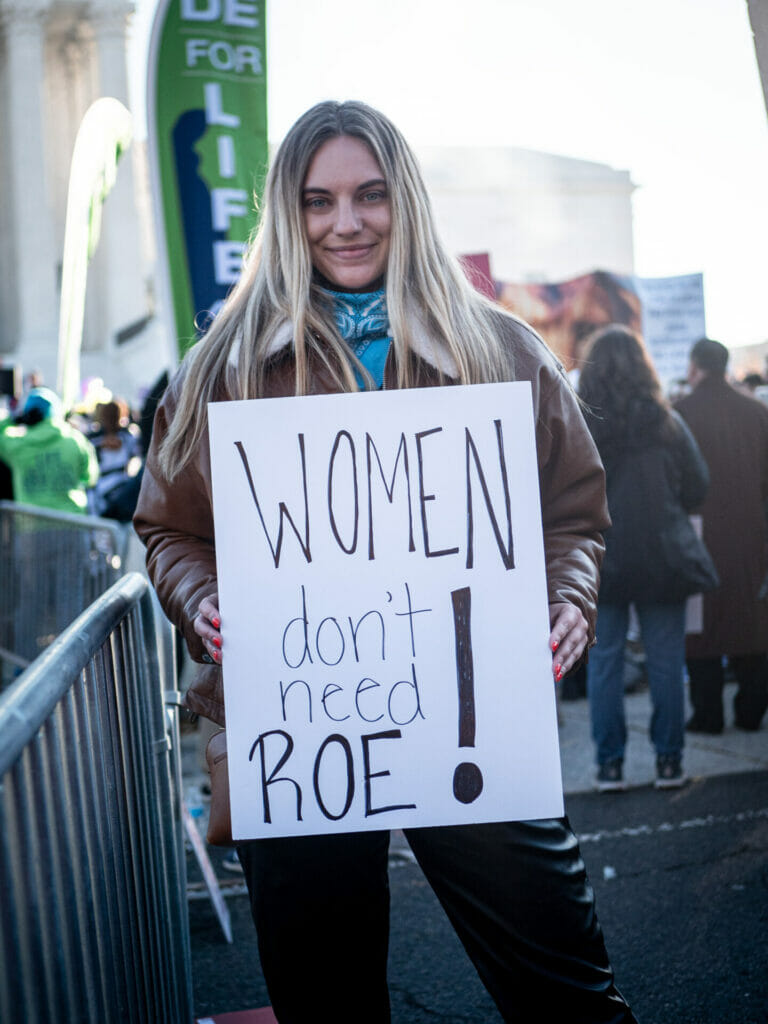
(423, 282)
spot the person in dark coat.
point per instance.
(732, 432)
(655, 475)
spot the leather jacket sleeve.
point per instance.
(573, 503)
(175, 522)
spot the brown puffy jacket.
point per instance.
(175, 521)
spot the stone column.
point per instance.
(30, 258)
(109, 22)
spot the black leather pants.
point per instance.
(515, 892)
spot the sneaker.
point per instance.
(231, 862)
(610, 777)
(669, 773)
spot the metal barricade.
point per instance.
(52, 566)
(93, 914)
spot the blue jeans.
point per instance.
(663, 632)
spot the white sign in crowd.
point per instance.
(673, 320)
(384, 611)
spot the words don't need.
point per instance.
(343, 487)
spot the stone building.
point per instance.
(540, 216)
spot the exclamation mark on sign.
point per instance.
(467, 779)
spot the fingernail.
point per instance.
(216, 623)
(217, 657)
(217, 641)
(555, 645)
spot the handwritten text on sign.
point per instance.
(384, 610)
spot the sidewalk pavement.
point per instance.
(732, 751)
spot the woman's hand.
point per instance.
(207, 625)
(568, 637)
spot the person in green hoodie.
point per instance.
(51, 463)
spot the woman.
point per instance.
(118, 447)
(655, 475)
(346, 286)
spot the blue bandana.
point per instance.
(362, 321)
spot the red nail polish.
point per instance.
(217, 657)
(555, 645)
(217, 641)
(216, 623)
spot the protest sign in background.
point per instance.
(673, 321)
(565, 313)
(207, 146)
(667, 311)
(384, 611)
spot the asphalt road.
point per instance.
(681, 883)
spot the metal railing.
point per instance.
(52, 566)
(93, 914)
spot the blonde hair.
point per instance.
(423, 282)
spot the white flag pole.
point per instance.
(104, 134)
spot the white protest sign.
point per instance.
(673, 320)
(384, 611)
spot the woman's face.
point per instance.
(347, 214)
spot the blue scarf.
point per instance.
(362, 321)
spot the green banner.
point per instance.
(207, 139)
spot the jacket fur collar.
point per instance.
(424, 344)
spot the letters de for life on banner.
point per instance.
(384, 611)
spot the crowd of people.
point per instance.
(86, 460)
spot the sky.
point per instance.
(668, 90)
